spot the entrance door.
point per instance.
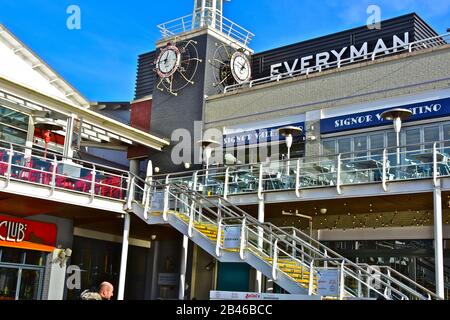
(18, 283)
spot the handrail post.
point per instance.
(297, 180)
(53, 183)
(92, 191)
(311, 278)
(359, 284)
(191, 223)
(9, 170)
(435, 172)
(243, 239)
(325, 264)
(225, 188)
(130, 195)
(195, 181)
(338, 179)
(275, 261)
(219, 237)
(260, 183)
(166, 200)
(342, 282)
(385, 173)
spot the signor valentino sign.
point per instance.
(26, 234)
(367, 49)
(256, 136)
(420, 111)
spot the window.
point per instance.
(415, 138)
(13, 126)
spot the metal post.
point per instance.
(398, 149)
(338, 179)
(385, 173)
(166, 200)
(68, 150)
(226, 186)
(124, 257)
(183, 267)
(243, 240)
(438, 242)
(261, 218)
(297, 180)
(260, 183)
(311, 278)
(275, 261)
(342, 282)
(219, 237)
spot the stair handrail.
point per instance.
(245, 215)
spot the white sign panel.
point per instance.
(168, 279)
(232, 237)
(157, 202)
(328, 282)
(225, 295)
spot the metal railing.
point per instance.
(375, 166)
(207, 18)
(282, 250)
(24, 164)
(413, 46)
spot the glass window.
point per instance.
(360, 146)
(431, 134)
(8, 283)
(35, 258)
(447, 138)
(12, 135)
(13, 118)
(11, 255)
(376, 144)
(345, 147)
(329, 147)
(413, 139)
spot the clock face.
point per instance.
(168, 61)
(240, 67)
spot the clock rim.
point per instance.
(165, 75)
(233, 72)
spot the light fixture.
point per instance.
(157, 169)
(323, 210)
(187, 165)
(207, 147)
(397, 115)
(63, 256)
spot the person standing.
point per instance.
(105, 292)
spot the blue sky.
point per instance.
(100, 59)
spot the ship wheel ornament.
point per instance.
(176, 66)
(230, 67)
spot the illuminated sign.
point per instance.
(420, 111)
(27, 234)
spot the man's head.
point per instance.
(106, 290)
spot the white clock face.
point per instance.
(168, 61)
(240, 67)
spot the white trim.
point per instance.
(397, 233)
(97, 235)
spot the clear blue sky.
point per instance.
(100, 59)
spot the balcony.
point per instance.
(412, 168)
(207, 18)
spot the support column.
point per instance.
(261, 218)
(124, 257)
(135, 165)
(155, 293)
(68, 151)
(30, 138)
(438, 242)
(183, 267)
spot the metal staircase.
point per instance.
(291, 258)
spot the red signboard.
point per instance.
(26, 234)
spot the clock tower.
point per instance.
(197, 56)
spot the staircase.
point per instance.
(291, 258)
